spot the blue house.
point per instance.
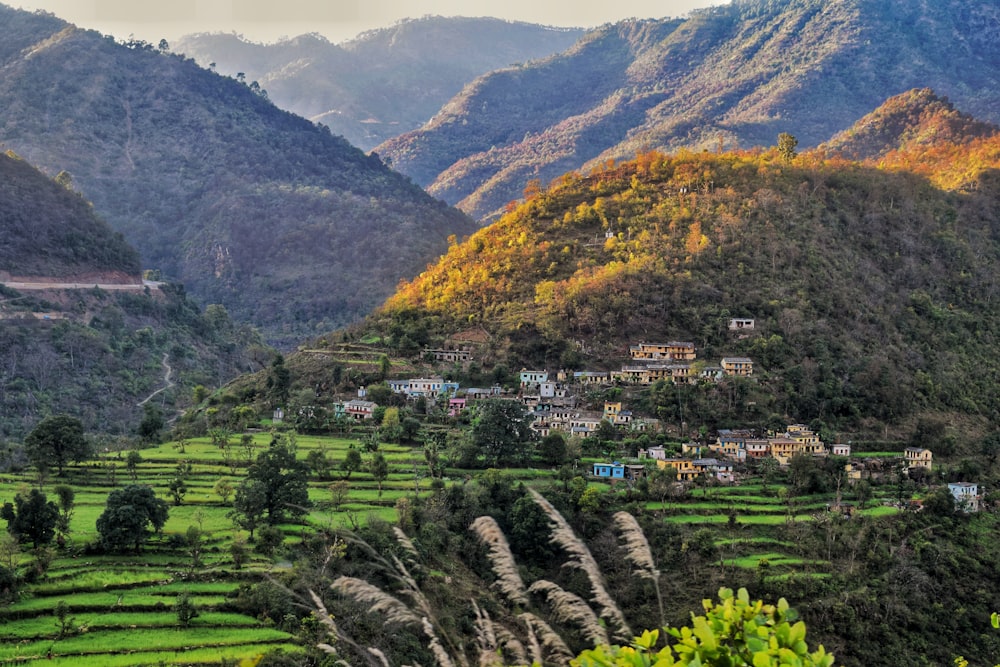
(609, 470)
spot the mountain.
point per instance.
(731, 76)
(97, 353)
(905, 122)
(289, 227)
(871, 288)
(54, 234)
(384, 82)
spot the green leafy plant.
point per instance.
(733, 632)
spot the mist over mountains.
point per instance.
(384, 82)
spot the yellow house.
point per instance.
(677, 350)
(915, 457)
(737, 366)
(784, 448)
(686, 469)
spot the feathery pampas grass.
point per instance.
(638, 552)
(504, 567)
(440, 655)
(567, 606)
(378, 601)
(406, 543)
(637, 548)
(582, 559)
(552, 643)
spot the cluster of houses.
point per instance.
(739, 446)
(735, 446)
(675, 361)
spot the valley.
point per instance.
(672, 339)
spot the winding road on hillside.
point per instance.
(104, 286)
(167, 381)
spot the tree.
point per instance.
(409, 429)
(132, 462)
(279, 381)
(185, 609)
(57, 440)
(249, 506)
(178, 485)
(735, 632)
(338, 493)
(281, 481)
(351, 463)
(786, 146)
(32, 519)
(501, 433)
(67, 502)
(127, 517)
(317, 460)
(224, 489)
(152, 423)
(552, 449)
(380, 470)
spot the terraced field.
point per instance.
(120, 610)
(90, 608)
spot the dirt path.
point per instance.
(168, 383)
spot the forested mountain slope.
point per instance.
(288, 226)
(872, 288)
(734, 75)
(384, 82)
(52, 232)
(92, 353)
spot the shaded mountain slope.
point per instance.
(92, 353)
(289, 227)
(873, 290)
(51, 232)
(384, 82)
(736, 75)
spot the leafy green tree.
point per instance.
(409, 429)
(66, 498)
(132, 461)
(786, 146)
(501, 432)
(552, 449)
(185, 609)
(178, 485)
(281, 480)
(279, 381)
(380, 470)
(152, 423)
(57, 440)
(224, 489)
(32, 519)
(318, 461)
(127, 517)
(351, 463)
(249, 505)
(735, 632)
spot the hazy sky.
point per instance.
(338, 20)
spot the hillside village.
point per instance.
(555, 402)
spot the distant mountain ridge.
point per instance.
(733, 76)
(288, 226)
(385, 81)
